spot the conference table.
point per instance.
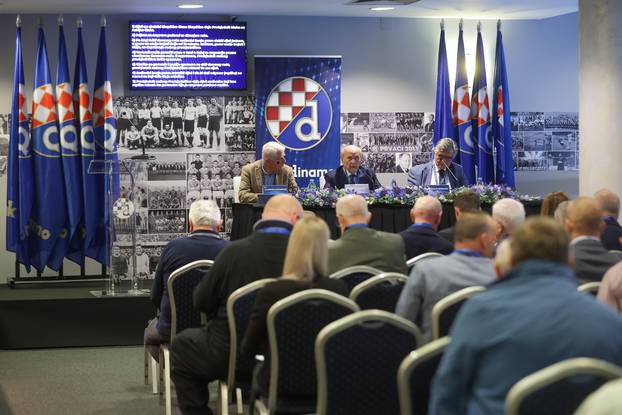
(389, 218)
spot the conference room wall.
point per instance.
(388, 65)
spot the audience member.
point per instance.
(503, 258)
(306, 266)
(607, 400)
(610, 291)
(204, 242)
(351, 171)
(509, 215)
(421, 236)
(466, 201)
(551, 201)
(561, 212)
(530, 319)
(584, 223)
(610, 204)
(200, 356)
(361, 245)
(436, 278)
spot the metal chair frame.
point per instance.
(447, 302)
(390, 277)
(356, 269)
(412, 261)
(589, 287)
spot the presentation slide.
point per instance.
(187, 55)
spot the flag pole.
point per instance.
(79, 22)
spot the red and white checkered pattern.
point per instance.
(43, 106)
(64, 101)
(83, 104)
(500, 104)
(102, 104)
(23, 110)
(481, 108)
(287, 100)
(461, 109)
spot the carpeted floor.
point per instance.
(98, 381)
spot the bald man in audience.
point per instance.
(531, 318)
(436, 278)
(509, 215)
(361, 245)
(201, 355)
(610, 204)
(421, 237)
(584, 223)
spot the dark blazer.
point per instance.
(591, 260)
(421, 175)
(177, 253)
(447, 233)
(337, 178)
(419, 240)
(611, 235)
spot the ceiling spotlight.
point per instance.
(381, 9)
(190, 6)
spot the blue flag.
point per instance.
(70, 152)
(105, 140)
(462, 116)
(50, 208)
(501, 128)
(20, 186)
(92, 184)
(480, 113)
(443, 123)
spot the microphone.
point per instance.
(449, 170)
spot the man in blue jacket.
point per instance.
(530, 319)
(441, 170)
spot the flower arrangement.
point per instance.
(312, 196)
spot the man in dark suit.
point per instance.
(204, 242)
(587, 256)
(201, 355)
(465, 202)
(351, 171)
(403, 163)
(421, 236)
(441, 170)
(610, 204)
(361, 245)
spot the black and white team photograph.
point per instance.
(167, 195)
(561, 121)
(170, 166)
(382, 121)
(167, 221)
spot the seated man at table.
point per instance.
(351, 171)
(270, 170)
(421, 236)
(361, 245)
(204, 242)
(441, 170)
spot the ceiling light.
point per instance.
(381, 9)
(190, 6)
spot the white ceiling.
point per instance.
(475, 9)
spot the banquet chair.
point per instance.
(180, 285)
(358, 358)
(239, 307)
(445, 311)
(380, 292)
(590, 287)
(559, 388)
(412, 261)
(414, 377)
(355, 275)
(293, 325)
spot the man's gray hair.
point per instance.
(272, 150)
(205, 213)
(510, 212)
(561, 211)
(351, 206)
(608, 201)
(352, 148)
(446, 145)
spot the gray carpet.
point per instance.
(98, 381)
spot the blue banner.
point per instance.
(20, 186)
(298, 105)
(480, 112)
(462, 116)
(49, 211)
(443, 125)
(501, 127)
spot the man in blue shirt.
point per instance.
(530, 319)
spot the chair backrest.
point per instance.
(589, 287)
(380, 292)
(414, 377)
(357, 361)
(236, 188)
(412, 261)
(180, 286)
(615, 251)
(293, 325)
(445, 311)
(355, 275)
(239, 307)
(559, 388)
